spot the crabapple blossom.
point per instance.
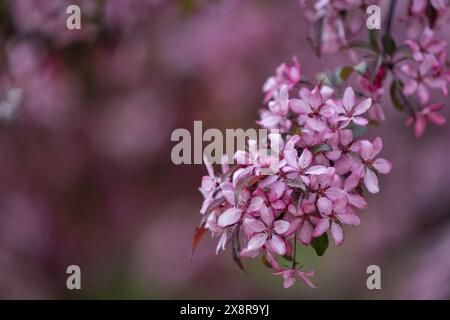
(427, 44)
(368, 151)
(288, 75)
(314, 189)
(324, 166)
(427, 114)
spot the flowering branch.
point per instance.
(325, 166)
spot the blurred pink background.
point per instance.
(86, 176)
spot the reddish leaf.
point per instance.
(199, 232)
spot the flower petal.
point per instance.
(348, 218)
(325, 206)
(257, 241)
(254, 225)
(306, 231)
(362, 107)
(348, 98)
(371, 181)
(337, 233)
(305, 159)
(321, 227)
(281, 226)
(382, 165)
(229, 217)
(277, 244)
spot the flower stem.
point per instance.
(294, 263)
(390, 16)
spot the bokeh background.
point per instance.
(86, 176)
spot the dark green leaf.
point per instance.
(373, 40)
(345, 72)
(320, 244)
(361, 45)
(357, 131)
(389, 45)
(394, 92)
(323, 147)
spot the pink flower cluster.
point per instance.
(316, 183)
(338, 20)
(322, 165)
(426, 70)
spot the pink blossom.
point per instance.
(311, 107)
(303, 222)
(427, 44)
(288, 75)
(278, 108)
(423, 76)
(290, 275)
(300, 166)
(334, 214)
(352, 112)
(427, 114)
(368, 151)
(266, 232)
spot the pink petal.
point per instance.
(305, 159)
(357, 201)
(420, 125)
(351, 182)
(350, 219)
(254, 225)
(300, 106)
(316, 124)
(410, 87)
(325, 205)
(362, 107)
(333, 155)
(360, 121)
(305, 278)
(337, 233)
(315, 97)
(371, 181)
(317, 170)
(229, 217)
(348, 98)
(222, 242)
(266, 215)
(277, 244)
(267, 181)
(423, 94)
(256, 204)
(436, 118)
(281, 226)
(382, 165)
(278, 205)
(257, 241)
(346, 137)
(306, 231)
(208, 183)
(291, 158)
(366, 150)
(321, 227)
(377, 146)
